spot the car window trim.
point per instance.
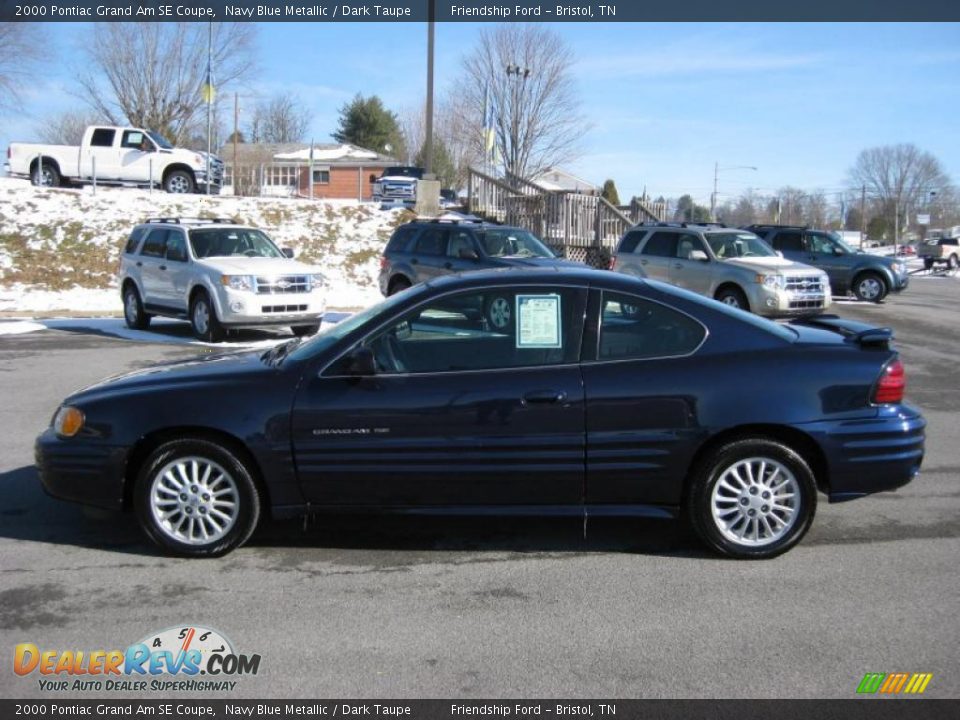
(351, 345)
(599, 311)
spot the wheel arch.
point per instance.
(214, 297)
(883, 272)
(46, 160)
(151, 441)
(731, 285)
(797, 440)
(400, 276)
(178, 166)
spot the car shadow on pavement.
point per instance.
(28, 513)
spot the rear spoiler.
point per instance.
(854, 332)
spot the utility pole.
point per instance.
(236, 129)
(713, 196)
(863, 213)
(428, 140)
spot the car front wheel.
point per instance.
(196, 498)
(203, 317)
(304, 330)
(734, 298)
(179, 182)
(869, 287)
(752, 498)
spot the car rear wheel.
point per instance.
(952, 262)
(869, 287)
(398, 285)
(133, 313)
(305, 330)
(45, 175)
(203, 317)
(927, 263)
(733, 297)
(752, 499)
(196, 498)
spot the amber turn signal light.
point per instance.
(68, 421)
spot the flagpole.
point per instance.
(209, 100)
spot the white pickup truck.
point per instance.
(111, 155)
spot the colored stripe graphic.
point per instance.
(871, 683)
(894, 683)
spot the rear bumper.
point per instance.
(80, 471)
(871, 455)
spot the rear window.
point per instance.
(155, 243)
(630, 241)
(432, 241)
(401, 240)
(135, 237)
(661, 244)
(102, 137)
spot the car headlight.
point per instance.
(68, 421)
(901, 268)
(317, 281)
(772, 281)
(238, 282)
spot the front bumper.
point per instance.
(871, 455)
(900, 281)
(240, 308)
(81, 471)
(775, 302)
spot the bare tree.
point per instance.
(67, 128)
(279, 119)
(150, 74)
(898, 177)
(21, 48)
(536, 118)
(451, 129)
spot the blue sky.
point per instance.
(666, 101)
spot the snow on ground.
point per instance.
(60, 248)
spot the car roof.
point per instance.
(192, 223)
(554, 275)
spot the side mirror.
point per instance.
(837, 251)
(468, 254)
(779, 253)
(361, 362)
(699, 255)
(287, 252)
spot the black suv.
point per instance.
(425, 249)
(868, 277)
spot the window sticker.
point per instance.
(538, 321)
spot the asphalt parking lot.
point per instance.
(377, 607)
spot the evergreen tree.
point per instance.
(610, 194)
(366, 123)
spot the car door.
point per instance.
(134, 159)
(642, 423)
(174, 274)
(456, 414)
(99, 158)
(429, 254)
(791, 244)
(830, 257)
(687, 272)
(463, 253)
(151, 259)
(657, 254)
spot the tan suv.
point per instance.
(733, 266)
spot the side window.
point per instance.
(132, 139)
(820, 243)
(432, 241)
(102, 137)
(134, 240)
(484, 330)
(687, 244)
(661, 244)
(632, 328)
(400, 239)
(176, 246)
(154, 245)
(788, 240)
(630, 241)
(461, 245)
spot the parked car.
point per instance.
(907, 251)
(425, 249)
(114, 155)
(869, 277)
(733, 266)
(577, 407)
(398, 185)
(219, 275)
(940, 250)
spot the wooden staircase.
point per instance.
(582, 227)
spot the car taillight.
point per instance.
(891, 384)
(612, 265)
(384, 262)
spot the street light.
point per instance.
(716, 172)
(521, 74)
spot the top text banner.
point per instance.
(477, 11)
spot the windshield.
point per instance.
(331, 335)
(413, 172)
(513, 243)
(160, 140)
(733, 245)
(232, 242)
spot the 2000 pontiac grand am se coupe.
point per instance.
(602, 395)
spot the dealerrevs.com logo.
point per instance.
(190, 658)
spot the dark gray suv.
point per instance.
(868, 277)
(425, 249)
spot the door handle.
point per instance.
(163, 267)
(544, 397)
(448, 266)
(678, 266)
(643, 262)
(414, 261)
(139, 264)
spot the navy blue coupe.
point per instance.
(600, 394)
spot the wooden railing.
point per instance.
(583, 227)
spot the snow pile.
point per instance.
(60, 249)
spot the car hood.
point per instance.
(773, 263)
(180, 373)
(258, 266)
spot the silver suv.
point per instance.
(219, 275)
(733, 266)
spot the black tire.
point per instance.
(712, 474)
(159, 507)
(869, 287)
(203, 318)
(45, 174)
(305, 330)
(733, 297)
(927, 263)
(133, 313)
(952, 262)
(179, 182)
(398, 284)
